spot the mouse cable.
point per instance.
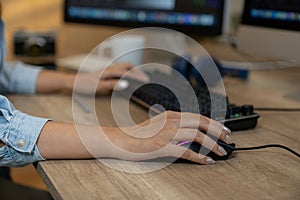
(268, 146)
(279, 109)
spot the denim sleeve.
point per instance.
(17, 77)
(19, 132)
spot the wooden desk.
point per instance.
(262, 174)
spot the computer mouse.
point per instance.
(229, 148)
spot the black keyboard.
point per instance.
(158, 97)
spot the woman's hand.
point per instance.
(156, 137)
(159, 136)
(100, 82)
(105, 80)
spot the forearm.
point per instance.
(58, 141)
(101, 82)
(54, 81)
(66, 141)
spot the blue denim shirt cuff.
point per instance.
(24, 78)
(20, 138)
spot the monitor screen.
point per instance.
(280, 14)
(202, 17)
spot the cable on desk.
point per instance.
(268, 146)
(278, 109)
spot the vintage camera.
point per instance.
(36, 48)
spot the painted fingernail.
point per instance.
(210, 161)
(226, 129)
(222, 151)
(228, 139)
(122, 85)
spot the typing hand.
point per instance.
(105, 80)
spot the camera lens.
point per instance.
(34, 46)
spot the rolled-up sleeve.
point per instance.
(19, 132)
(17, 77)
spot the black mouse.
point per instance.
(229, 148)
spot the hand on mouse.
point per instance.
(153, 138)
(159, 136)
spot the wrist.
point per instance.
(53, 81)
(67, 81)
(117, 143)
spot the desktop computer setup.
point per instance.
(269, 28)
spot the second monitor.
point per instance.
(271, 28)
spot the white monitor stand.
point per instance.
(269, 42)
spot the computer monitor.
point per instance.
(271, 28)
(196, 17)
